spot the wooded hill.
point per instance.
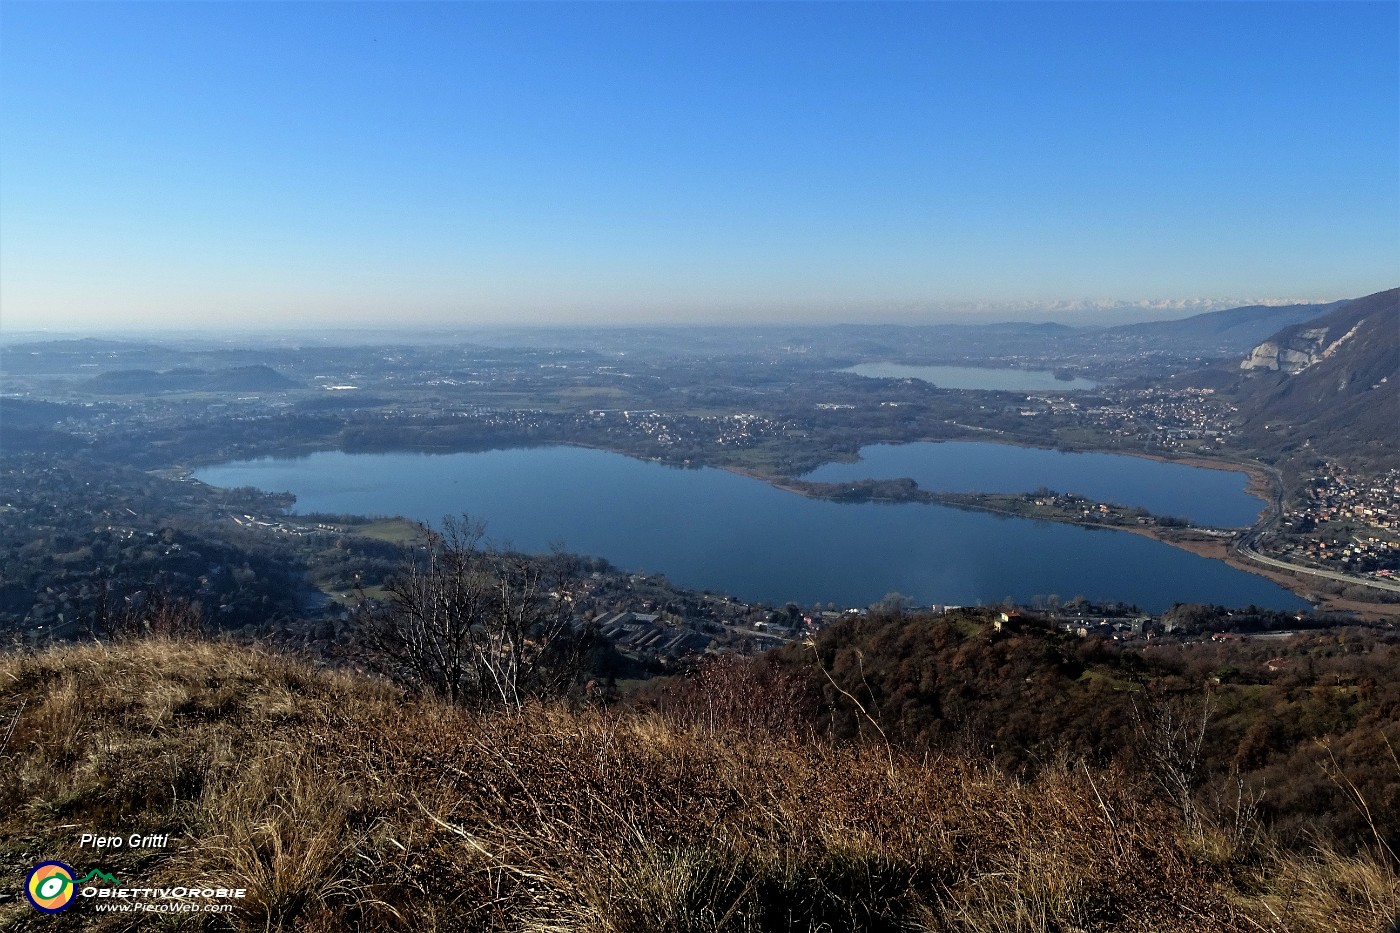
(1310, 724)
(234, 379)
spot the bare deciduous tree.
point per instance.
(477, 625)
(1171, 739)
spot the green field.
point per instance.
(394, 530)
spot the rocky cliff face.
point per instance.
(1329, 386)
(1298, 348)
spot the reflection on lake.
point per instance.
(974, 377)
(1206, 496)
(711, 529)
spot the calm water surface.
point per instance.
(1207, 497)
(974, 377)
(710, 529)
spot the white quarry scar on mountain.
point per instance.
(1297, 352)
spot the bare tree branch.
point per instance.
(480, 626)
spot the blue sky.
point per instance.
(268, 165)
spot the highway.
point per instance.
(1245, 550)
(1245, 547)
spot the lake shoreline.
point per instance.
(960, 378)
(1220, 549)
(942, 566)
(1261, 485)
(1201, 543)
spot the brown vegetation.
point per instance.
(1296, 717)
(341, 804)
(476, 625)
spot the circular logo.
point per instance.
(49, 887)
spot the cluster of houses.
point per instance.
(1114, 627)
(735, 430)
(1166, 417)
(1337, 497)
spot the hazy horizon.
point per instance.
(457, 166)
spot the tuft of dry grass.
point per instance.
(1326, 891)
(341, 804)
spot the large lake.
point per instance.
(974, 377)
(711, 529)
(1207, 497)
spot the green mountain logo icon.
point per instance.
(100, 875)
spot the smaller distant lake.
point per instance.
(1206, 496)
(974, 377)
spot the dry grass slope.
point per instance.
(341, 804)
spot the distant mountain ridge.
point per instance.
(1227, 332)
(147, 381)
